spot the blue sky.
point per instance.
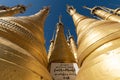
(58, 7)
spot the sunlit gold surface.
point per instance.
(98, 48)
(105, 15)
(105, 66)
(17, 56)
(117, 11)
(113, 11)
(61, 52)
(34, 34)
(12, 11)
(51, 47)
(73, 47)
(23, 55)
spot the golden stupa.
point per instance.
(23, 54)
(113, 11)
(72, 45)
(62, 62)
(100, 12)
(61, 52)
(11, 11)
(51, 47)
(98, 47)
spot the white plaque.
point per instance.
(64, 71)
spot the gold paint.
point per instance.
(12, 11)
(51, 47)
(114, 11)
(26, 35)
(61, 52)
(117, 11)
(98, 48)
(23, 55)
(68, 41)
(98, 11)
(73, 46)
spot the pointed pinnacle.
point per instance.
(69, 34)
(69, 8)
(106, 8)
(22, 6)
(46, 7)
(60, 19)
(2, 7)
(87, 8)
(67, 37)
(53, 36)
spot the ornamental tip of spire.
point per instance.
(70, 9)
(93, 9)
(23, 7)
(3, 7)
(59, 25)
(117, 8)
(46, 8)
(107, 9)
(53, 37)
(87, 8)
(116, 11)
(60, 19)
(96, 8)
(69, 34)
(67, 38)
(68, 6)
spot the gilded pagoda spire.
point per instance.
(51, 47)
(68, 41)
(23, 54)
(10, 11)
(100, 12)
(117, 11)
(98, 47)
(73, 46)
(76, 17)
(62, 62)
(61, 52)
(114, 11)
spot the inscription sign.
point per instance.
(64, 71)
